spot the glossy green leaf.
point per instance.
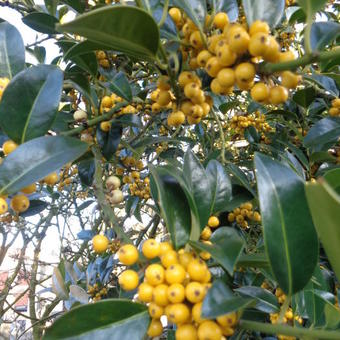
(120, 86)
(290, 238)
(325, 82)
(226, 247)
(39, 89)
(324, 131)
(12, 51)
(333, 179)
(304, 97)
(270, 11)
(58, 285)
(78, 5)
(198, 184)
(239, 195)
(322, 156)
(36, 207)
(310, 7)
(51, 6)
(174, 206)
(79, 294)
(266, 301)
(86, 168)
(41, 22)
(323, 33)
(220, 185)
(227, 6)
(109, 141)
(196, 10)
(257, 260)
(36, 159)
(240, 177)
(107, 319)
(118, 27)
(84, 47)
(314, 305)
(324, 205)
(220, 300)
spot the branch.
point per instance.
(268, 68)
(287, 330)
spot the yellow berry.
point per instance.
(51, 179)
(128, 280)
(151, 248)
(100, 243)
(176, 293)
(175, 14)
(194, 292)
(185, 78)
(79, 115)
(107, 102)
(259, 26)
(286, 56)
(178, 313)
(112, 182)
(163, 83)
(160, 295)
(105, 126)
(203, 57)
(145, 292)
(206, 233)
(155, 311)
(164, 247)
(227, 320)
(334, 111)
(169, 258)
(191, 90)
(9, 146)
(163, 98)
(20, 203)
(336, 102)
(245, 72)
(213, 66)
(196, 39)
(226, 77)
(154, 274)
(30, 189)
(239, 41)
(258, 44)
(220, 20)
(260, 92)
(213, 222)
(128, 254)
(175, 273)
(197, 270)
(176, 118)
(186, 332)
(289, 79)
(196, 313)
(3, 206)
(272, 52)
(155, 328)
(278, 94)
(209, 330)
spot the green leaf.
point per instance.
(323, 33)
(220, 300)
(86, 168)
(325, 82)
(266, 301)
(51, 6)
(39, 89)
(196, 10)
(310, 7)
(36, 159)
(304, 97)
(12, 51)
(118, 27)
(270, 11)
(239, 195)
(36, 207)
(241, 177)
(120, 86)
(257, 260)
(109, 141)
(58, 285)
(324, 205)
(107, 319)
(333, 179)
(226, 247)
(154, 140)
(41, 22)
(220, 185)
(78, 5)
(324, 131)
(198, 184)
(290, 238)
(322, 156)
(174, 206)
(228, 6)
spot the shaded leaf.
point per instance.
(41, 22)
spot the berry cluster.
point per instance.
(242, 121)
(114, 195)
(174, 288)
(334, 111)
(244, 214)
(19, 203)
(96, 292)
(102, 59)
